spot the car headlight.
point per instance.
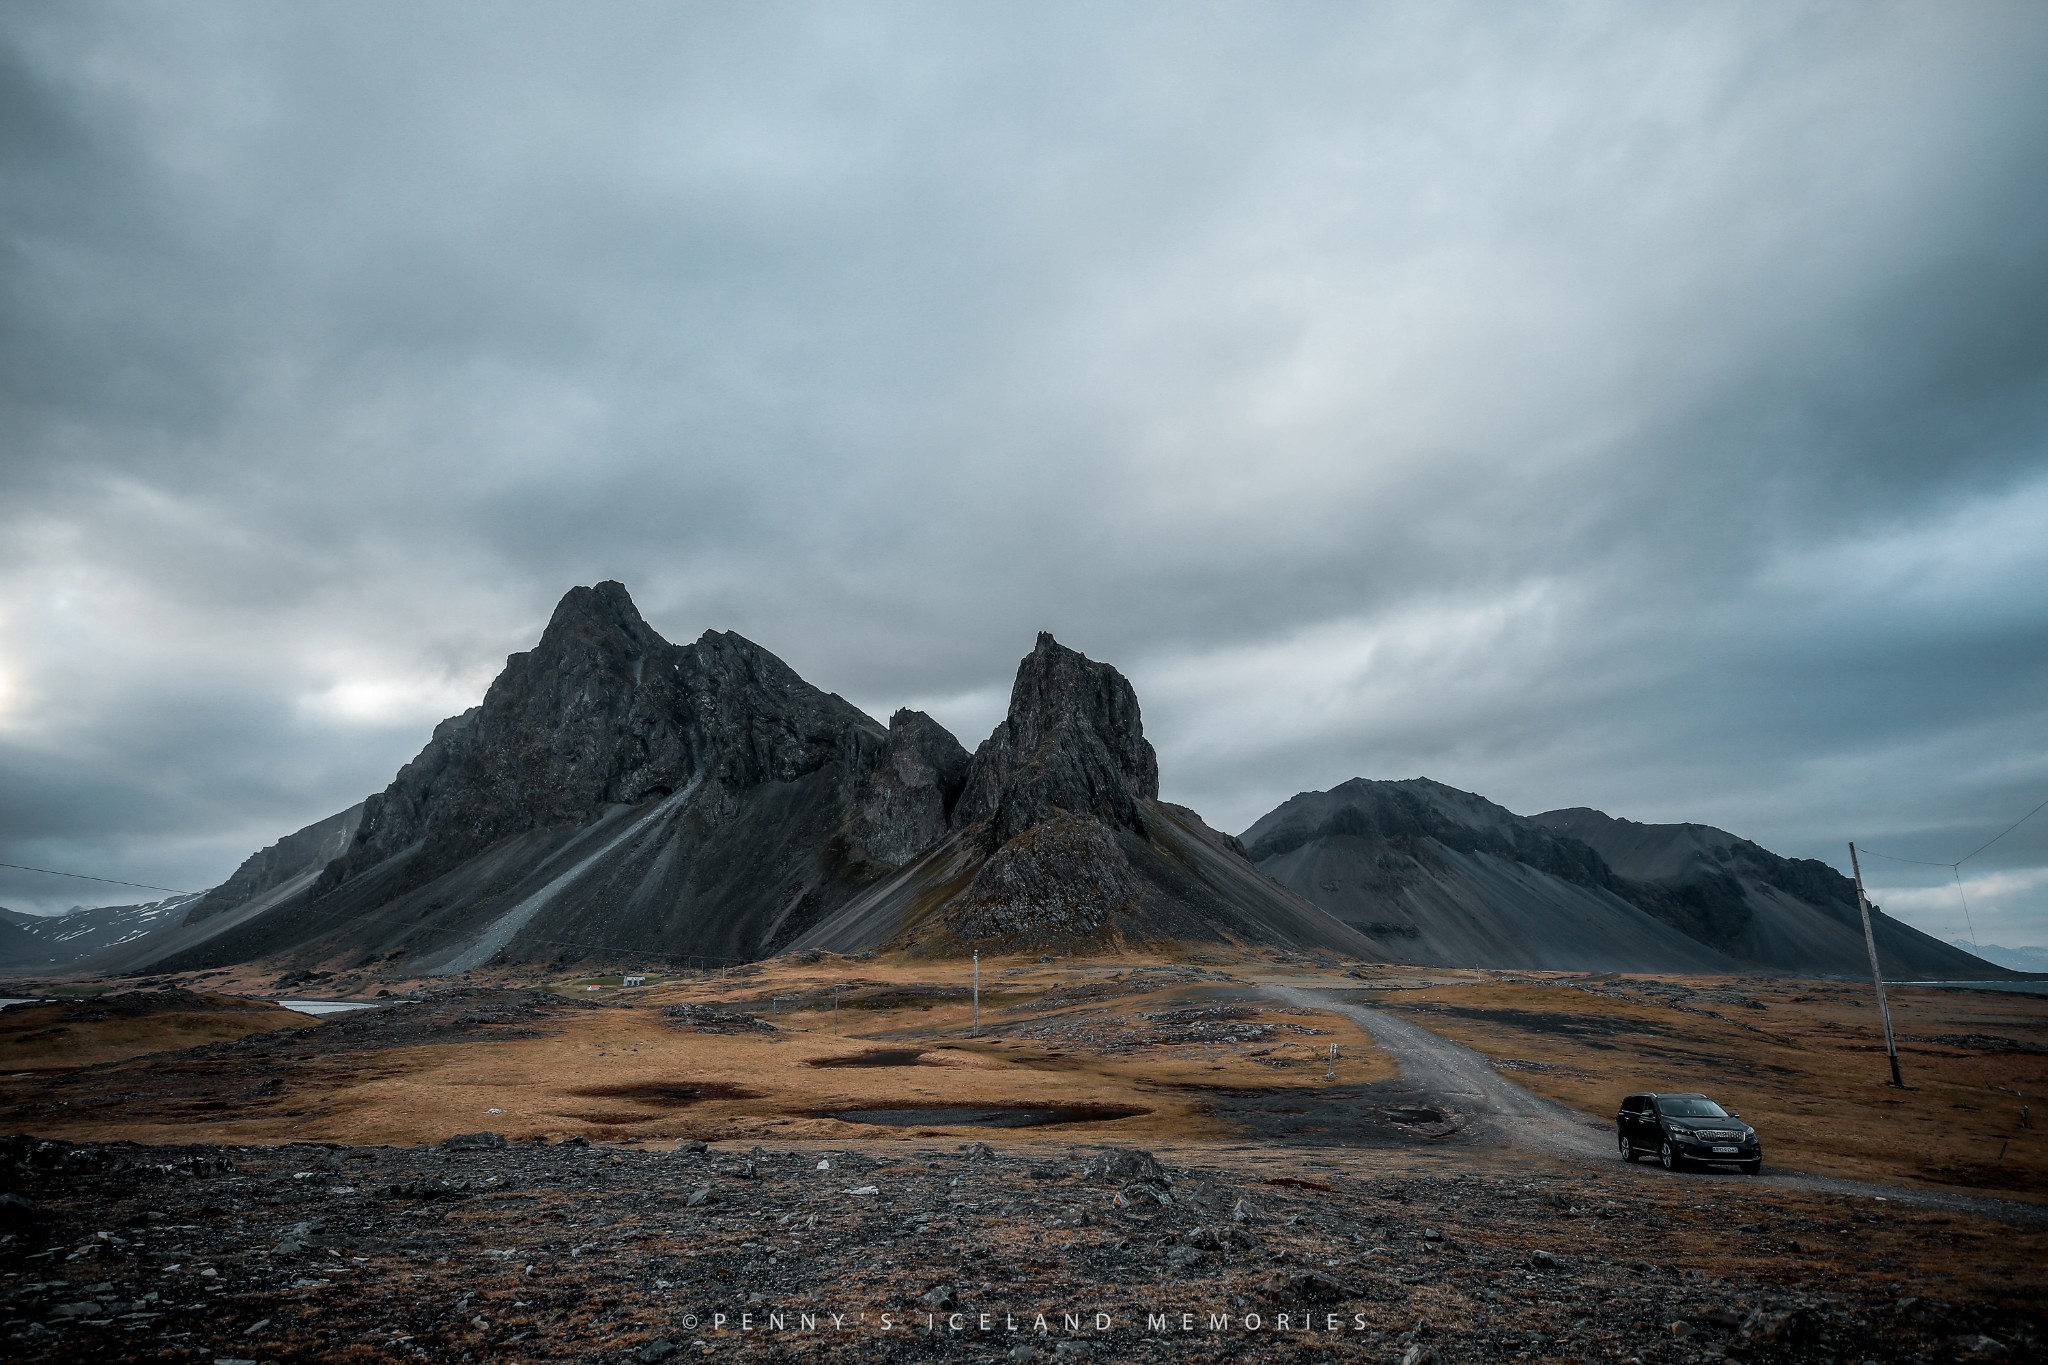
(1675, 1131)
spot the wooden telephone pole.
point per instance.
(1877, 977)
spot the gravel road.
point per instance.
(1491, 1107)
(1461, 1081)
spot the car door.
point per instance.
(1632, 1118)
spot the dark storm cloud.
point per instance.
(1584, 405)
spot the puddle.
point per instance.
(888, 1056)
(1423, 1120)
(990, 1116)
(1372, 1116)
(668, 1093)
(608, 1119)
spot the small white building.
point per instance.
(634, 981)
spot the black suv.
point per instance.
(1681, 1129)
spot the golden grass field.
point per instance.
(1802, 1060)
(60, 1037)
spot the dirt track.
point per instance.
(1488, 1106)
(1460, 1081)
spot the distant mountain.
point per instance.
(264, 881)
(46, 943)
(18, 941)
(1440, 876)
(1445, 877)
(2032, 960)
(1793, 914)
(1059, 840)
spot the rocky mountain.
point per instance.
(1059, 840)
(1444, 877)
(56, 943)
(617, 795)
(265, 880)
(2033, 961)
(1794, 914)
(17, 936)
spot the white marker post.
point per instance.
(1877, 977)
(977, 994)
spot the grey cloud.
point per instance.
(338, 340)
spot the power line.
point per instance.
(1921, 862)
(1924, 862)
(2002, 833)
(1956, 868)
(111, 881)
(1958, 874)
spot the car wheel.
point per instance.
(1628, 1149)
(1667, 1156)
(1752, 1167)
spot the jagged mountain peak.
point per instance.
(1073, 743)
(600, 615)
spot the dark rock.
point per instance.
(1305, 1286)
(656, 1351)
(714, 1019)
(1142, 1194)
(473, 1142)
(1981, 1347)
(18, 1214)
(1119, 1165)
(1796, 1327)
(1065, 879)
(1072, 744)
(908, 787)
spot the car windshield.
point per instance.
(1690, 1107)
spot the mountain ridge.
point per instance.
(1461, 881)
(616, 794)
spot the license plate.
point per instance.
(1727, 1149)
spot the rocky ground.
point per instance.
(475, 1249)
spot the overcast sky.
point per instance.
(1635, 406)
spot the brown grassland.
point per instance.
(1801, 1059)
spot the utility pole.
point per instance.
(977, 994)
(1877, 976)
(835, 1011)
